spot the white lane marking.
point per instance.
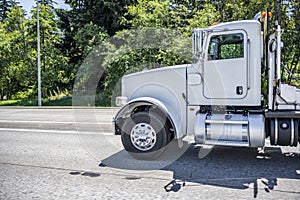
(54, 131)
(53, 122)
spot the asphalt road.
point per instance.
(71, 154)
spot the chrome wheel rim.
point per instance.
(143, 136)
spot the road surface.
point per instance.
(65, 153)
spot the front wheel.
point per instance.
(144, 135)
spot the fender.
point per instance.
(170, 113)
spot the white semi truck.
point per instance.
(218, 99)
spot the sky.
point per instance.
(28, 4)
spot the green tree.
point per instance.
(53, 62)
(183, 15)
(290, 21)
(86, 25)
(12, 52)
(104, 13)
(157, 13)
(18, 55)
(6, 6)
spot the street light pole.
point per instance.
(39, 57)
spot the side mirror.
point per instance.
(197, 42)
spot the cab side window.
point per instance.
(226, 46)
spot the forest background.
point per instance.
(69, 36)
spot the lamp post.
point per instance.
(39, 57)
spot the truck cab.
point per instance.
(229, 65)
(217, 99)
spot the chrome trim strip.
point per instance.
(225, 122)
(292, 132)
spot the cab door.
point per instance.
(225, 69)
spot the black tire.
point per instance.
(144, 146)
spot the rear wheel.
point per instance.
(144, 135)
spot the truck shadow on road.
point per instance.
(239, 168)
